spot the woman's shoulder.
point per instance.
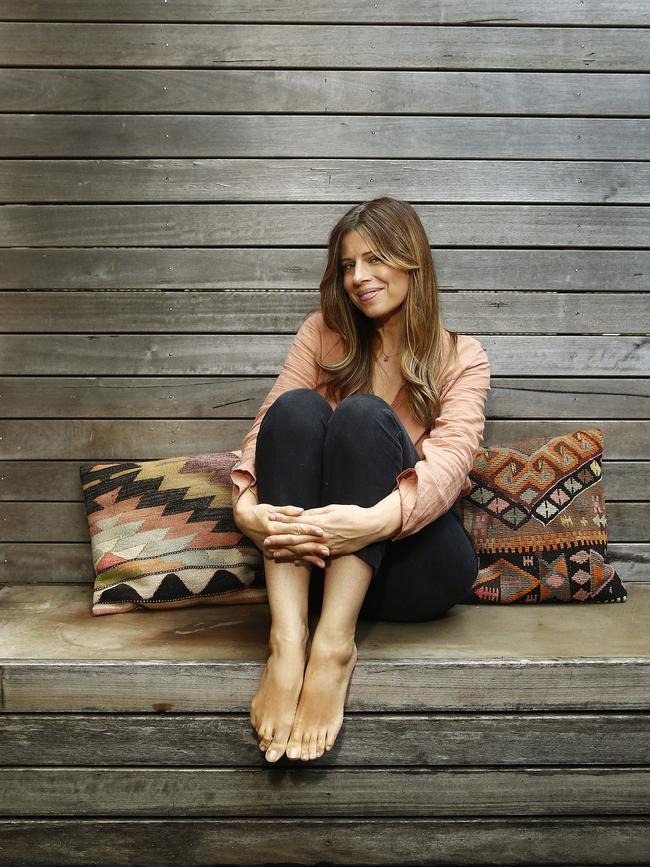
(315, 329)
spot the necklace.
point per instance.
(386, 357)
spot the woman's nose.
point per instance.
(360, 272)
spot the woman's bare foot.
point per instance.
(319, 715)
(274, 705)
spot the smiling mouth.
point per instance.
(368, 294)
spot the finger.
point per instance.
(287, 521)
(311, 513)
(288, 510)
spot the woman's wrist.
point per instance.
(386, 517)
(244, 505)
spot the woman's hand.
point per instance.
(346, 529)
(308, 547)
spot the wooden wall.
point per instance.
(169, 172)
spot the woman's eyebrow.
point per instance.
(346, 258)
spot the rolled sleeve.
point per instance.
(430, 488)
(300, 370)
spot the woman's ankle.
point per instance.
(282, 635)
(333, 639)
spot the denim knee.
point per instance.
(353, 413)
(295, 405)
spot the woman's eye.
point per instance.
(372, 259)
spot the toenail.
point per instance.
(272, 755)
(293, 753)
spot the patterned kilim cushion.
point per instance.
(536, 514)
(163, 535)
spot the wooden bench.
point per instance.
(169, 173)
(494, 735)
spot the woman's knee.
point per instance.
(358, 412)
(295, 407)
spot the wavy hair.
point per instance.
(395, 234)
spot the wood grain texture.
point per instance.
(38, 135)
(617, 94)
(264, 225)
(321, 45)
(507, 12)
(109, 842)
(301, 180)
(333, 792)
(365, 740)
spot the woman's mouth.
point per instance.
(368, 296)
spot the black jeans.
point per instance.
(309, 455)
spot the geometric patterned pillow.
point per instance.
(536, 515)
(162, 535)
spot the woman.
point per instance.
(354, 465)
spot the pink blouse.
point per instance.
(447, 450)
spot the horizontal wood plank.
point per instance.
(327, 180)
(209, 354)
(268, 225)
(503, 12)
(222, 397)
(305, 90)
(221, 792)
(321, 45)
(66, 522)
(460, 268)
(236, 311)
(549, 840)
(137, 439)
(413, 685)
(71, 562)
(370, 136)
(368, 740)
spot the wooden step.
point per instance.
(56, 657)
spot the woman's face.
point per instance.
(364, 272)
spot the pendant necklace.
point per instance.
(386, 357)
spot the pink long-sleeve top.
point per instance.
(447, 450)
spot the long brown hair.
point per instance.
(395, 234)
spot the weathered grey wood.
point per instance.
(66, 522)
(71, 562)
(495, 225)
(56, 657)
(515, 12)
(254, 312)
(233, 268)
(220, 792)
(222, 397)
(166, 354)
(228, 740)
(305, 90)
(137, 439)
(414, 684)
(321, 45)
(322, 179)
(109, 842)
(66, 135)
